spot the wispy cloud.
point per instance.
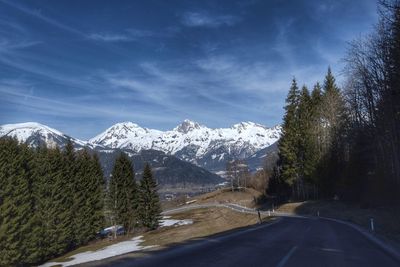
(8, 45)
(204, 19)
(128, 35)
(109, 37)
(21, 93)
(38, 14)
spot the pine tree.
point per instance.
(82, 206)
(42, 188)
(333, 117)
(122, 193)
(149, 202)
(288, 143)
(316, 131)
(306, 149)
(96, 195)
(66, 185)
(16, 205)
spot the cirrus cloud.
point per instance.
(203, 19)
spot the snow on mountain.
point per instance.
(191, 141)
(127, 135)
(188, 134)
(34, 134)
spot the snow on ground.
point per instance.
(116, 249)
(170, 222)
(109, 251)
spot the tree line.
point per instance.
(345, 142)
(52, 200)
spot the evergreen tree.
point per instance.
(97, 195)
(288, 143)
(49, 198)
(333, 117)
(66, 186)
(316, 131)
(42, 188)
(82, 204)
(149, 202)
(123, 193)
(16, 205)
(306, 149)
(38, 208)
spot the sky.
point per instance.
(82, 66)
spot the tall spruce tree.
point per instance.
(306, 149)
(288, 143)
(50, 198)
(122, 193)
(42, 192)
(333, 116)
(149, 202)
(66, 183)
(16, 205)
(96, 195)
(316, 132)
(82, 208)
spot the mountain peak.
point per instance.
(187, 126)
(246, 125)
(36, 134)
(26, 126)
(127, 124)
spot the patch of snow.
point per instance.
(170, 222)
(106, 252)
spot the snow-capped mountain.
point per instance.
(169, 170)
(126, 135)
(35, 134)
(190, 141)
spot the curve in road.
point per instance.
(288, 242)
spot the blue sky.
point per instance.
(81, 66)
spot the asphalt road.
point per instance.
(288, 242)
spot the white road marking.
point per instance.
(287, 257)
(332, 250)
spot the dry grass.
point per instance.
(205, 222)
(244, 198)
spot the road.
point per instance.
(288, 242)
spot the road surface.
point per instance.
(287, 242)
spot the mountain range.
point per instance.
(188, 143)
